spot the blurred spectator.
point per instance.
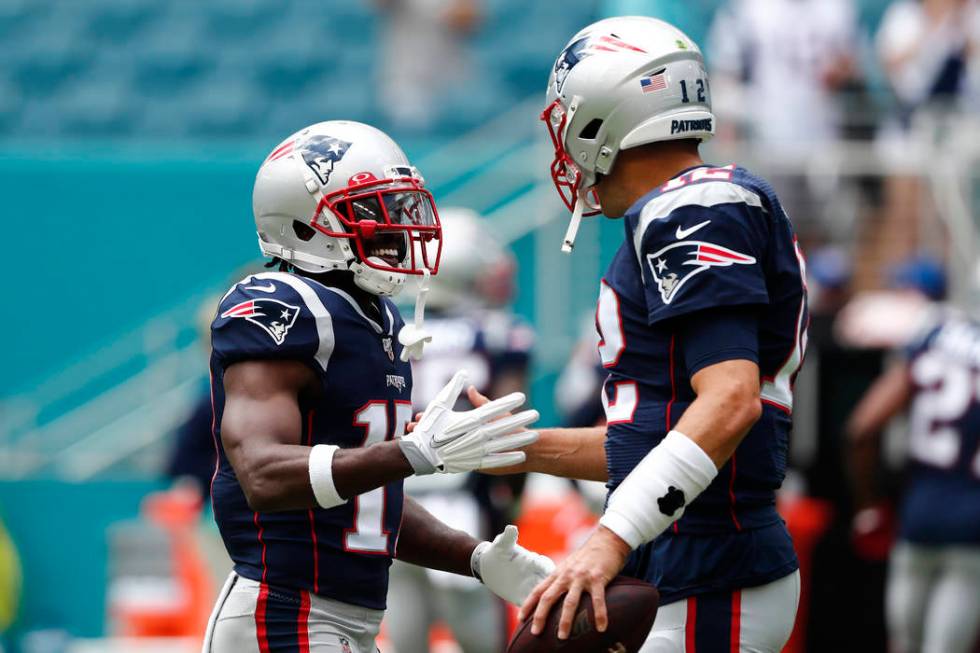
(776, 65)
(193, 455)
(776, 69)
(923, 46)
(423, 55)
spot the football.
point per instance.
(632, 607)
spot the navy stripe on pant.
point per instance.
(712, 629)
(281, 619)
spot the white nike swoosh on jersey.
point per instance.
(269, 288)
(684, 233)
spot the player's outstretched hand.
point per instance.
(589, 569)
(451, 441)
(507, 568)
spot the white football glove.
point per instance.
(507, 568)
(447, 441)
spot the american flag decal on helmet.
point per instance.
(675, 264)
(655, 82)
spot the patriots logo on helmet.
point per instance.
(579, 49)
(321, 153)
(676, 264)
(568, 59)
(271, 315)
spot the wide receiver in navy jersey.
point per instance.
(311, 385)
(702, 318)
(934, 572)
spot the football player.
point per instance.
(702, 319)
(311, 392)
(473, 330)
(934, 570)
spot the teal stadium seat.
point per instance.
(121, 21)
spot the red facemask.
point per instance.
(564, 173)
(392, 220)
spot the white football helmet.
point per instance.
(475, 269)
(619, 83)
(341, 195)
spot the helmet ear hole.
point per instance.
(590, 131)
(303, 231)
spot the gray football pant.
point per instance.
(932, 601)
(763, 623)
(329, 627)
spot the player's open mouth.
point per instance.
(389, 256)
(390, 248)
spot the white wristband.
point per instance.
(321, 476)
(654, 494)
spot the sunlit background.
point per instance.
(130, 134)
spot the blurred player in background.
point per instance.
(778, 66)
(933, 588)
(311, 390)
(702, 319)
(472, 329)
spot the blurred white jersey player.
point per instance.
(933, 595)
(472, 329)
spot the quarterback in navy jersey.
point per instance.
(702, 321)
(311, 386)
(934, 570)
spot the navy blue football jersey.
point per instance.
(941, 501)
(342, 553)
(709, 238)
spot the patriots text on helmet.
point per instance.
(682, 126)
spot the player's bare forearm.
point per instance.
(427, 542)
(262, 430)
(571, 453)
(355, 471)
(726, 407)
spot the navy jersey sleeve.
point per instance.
(717, 335)
(695, 256)
(265, 319)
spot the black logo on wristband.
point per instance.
(670, 502)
